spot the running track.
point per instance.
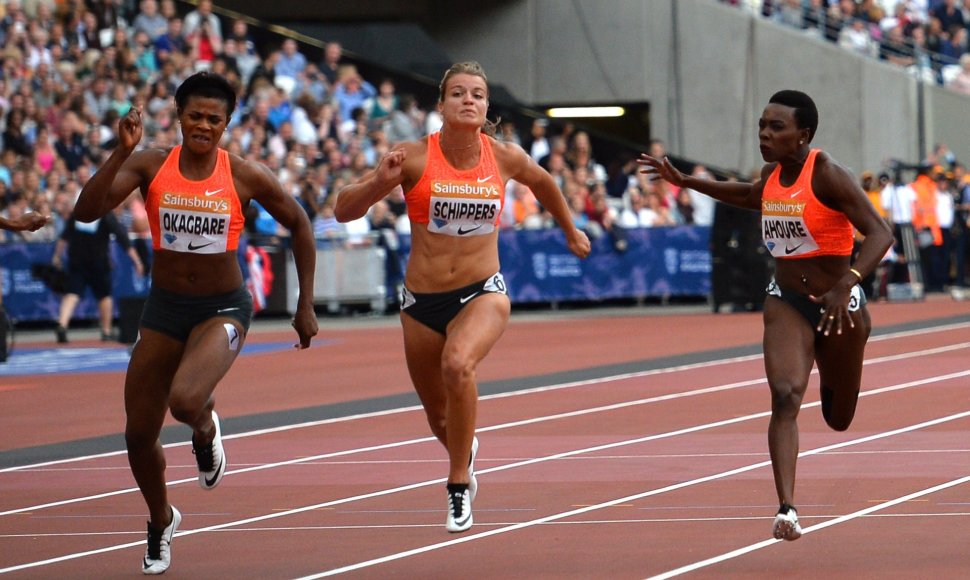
(614, 444)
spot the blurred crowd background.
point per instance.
(72, 68)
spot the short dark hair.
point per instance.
(209, 85)
(806, 114)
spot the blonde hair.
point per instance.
(474, 69)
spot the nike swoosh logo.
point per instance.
(227, 309)
(462, 521)
(208, 481)
(467, 298)
(789, 249)
(193, 248)
(484, 179)
(462, 232)
(213, 192)
(797, 193)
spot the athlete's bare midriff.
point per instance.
(438, 263)
(814, 276)
(196, 275)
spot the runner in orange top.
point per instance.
(198, 310)
(815, 311)
(455, 305)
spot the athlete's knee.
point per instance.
(838, 424)
(138, 438)
(786, 398)
(186, 408)
(457, 370)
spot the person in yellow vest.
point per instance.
(926, 224)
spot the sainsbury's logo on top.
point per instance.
(213, 205)
(465, 188)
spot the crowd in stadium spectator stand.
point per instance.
(928, 37)
(71, 69)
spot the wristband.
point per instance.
(856, 272)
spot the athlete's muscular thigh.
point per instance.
(210, 351)
(839, 356)
(788, 347)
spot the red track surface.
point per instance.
(625, 476)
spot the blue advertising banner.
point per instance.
(660, 262)
(27, 298)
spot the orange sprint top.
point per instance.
(795, 224)
(457, 202)
(199, 217)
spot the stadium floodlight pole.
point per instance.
(921, 57)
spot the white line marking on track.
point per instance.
(558, 386)
(653, 492)
(810, 529)
(500, 468)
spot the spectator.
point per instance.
(204, 44)
(926, 222)
(636, 214)
(855, 38)
(203, 14)
(332, 61)
(13, 136)
(351, 91)
(44, 153)
(290, 63)
(150, 20)
(940, 258)
(171, 41)
(703, 205)
(898, 199)
(961, 82)
(70, 144)
(894, 48)
(89, 266)
(384, 103)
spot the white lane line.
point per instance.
(534, 420)
(530, 462)
(558, 386)
(673, 487)
(821, 526)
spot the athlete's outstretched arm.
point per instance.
(26, 222)
(745, 195)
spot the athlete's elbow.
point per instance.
(85, 214)
(343, 214)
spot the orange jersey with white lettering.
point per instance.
(199, 217)
(457, 202)
(795, 224)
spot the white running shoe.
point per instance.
(211, 458)
(158, 554)
(459, 508)
(786, 524)
(472, 480)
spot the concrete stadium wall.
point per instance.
(707, 71)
